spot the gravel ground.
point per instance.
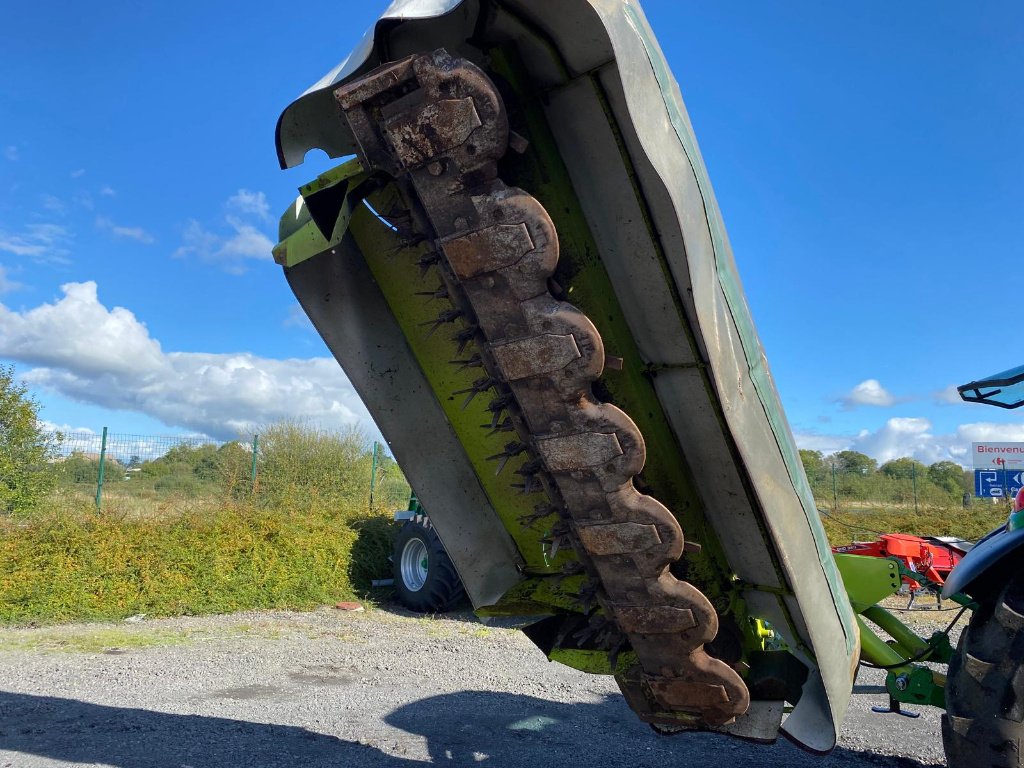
(380, 688)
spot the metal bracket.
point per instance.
(894, 709)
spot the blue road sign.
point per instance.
(998, 483)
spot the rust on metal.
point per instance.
(526, 357)
(384, 79)
(580, 451)
(487, 250)
(435, 128)
(669, 618)
(678, 692)
(618, 538)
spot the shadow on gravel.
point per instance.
(464, 729)
(70, 731)
(508, 731)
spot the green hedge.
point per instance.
(69, 566)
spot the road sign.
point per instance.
(998, 483)
(997, 455)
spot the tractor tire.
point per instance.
(425, 577)
(984, 720)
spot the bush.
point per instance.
(26, 452)
(299, 463)
(371, 552)
(80, 468)
(69, 566)
(306, 536)
(179, 483)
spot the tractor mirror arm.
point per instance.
(1003, 390)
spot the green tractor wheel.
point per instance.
(425, 578)
(984, 720)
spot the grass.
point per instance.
(865, 524)
(134, 502)
(98, 640)
(108, 638)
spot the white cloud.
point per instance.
(250, 203)
(107, 191)
(41, 242)
(78, 173)
(948, 396)
(83, 200)
(79, 333)
(247, 242)
(11, 153)
(868, 392)
(50, 426)
(198, 241)
(21, 245)
(133, 233)
(53, 204)
(6, 284)
(241, 239)
(986, 432)
(913, 437)
(815, 441)
(297, 318)
(125, 233)
(86, 352)
(901, 437)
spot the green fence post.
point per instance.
(255, 453)
(99, 478)
(913, 478)
(373, 471)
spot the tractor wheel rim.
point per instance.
(414, 565)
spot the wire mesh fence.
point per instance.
(858, 499)
(141, 467)
(291, 465)
(914, 491)
(141, 473)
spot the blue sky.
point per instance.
(867, 160)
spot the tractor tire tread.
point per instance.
(983, 724)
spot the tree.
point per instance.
(26, 450)
(814, 465)
(904, 469)
(205, 462)
(79, 467)
(950, 476)
(853, 463)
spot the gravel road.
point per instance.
(380, 688)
